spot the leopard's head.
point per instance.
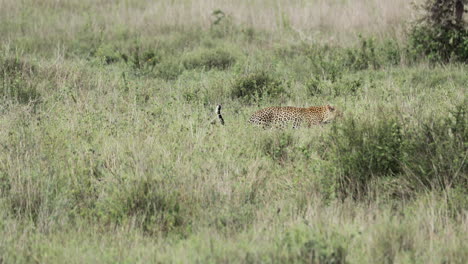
(331, 113)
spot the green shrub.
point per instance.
(437, 44)
(391, 52)
(439, 35)
(209, 59)
(363, 57)
(16, 81)
(431, 155)
(364, 150)
(254, 86)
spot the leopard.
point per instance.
(283, 116)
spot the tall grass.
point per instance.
(108, 154)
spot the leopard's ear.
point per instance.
(331, 108)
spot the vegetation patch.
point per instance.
(209, 59)
(254, 86)
(17, 81)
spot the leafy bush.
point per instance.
(441, 34)
(209, 59)
(256, 85)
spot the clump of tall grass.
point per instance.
(17, 81)
(430, 155)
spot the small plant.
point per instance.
(256, 85)
(364, 57)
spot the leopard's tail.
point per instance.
(218, 114)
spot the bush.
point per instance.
(364, 57)
(364, 150)
(209, 59)
(431, 155)
(254, 86)
(439, 35)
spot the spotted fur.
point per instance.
(295, 116)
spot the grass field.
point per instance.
(108, 155)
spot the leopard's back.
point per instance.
(293, 116)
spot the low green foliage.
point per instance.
(17, 81)
(254, 86)
(364, 150)
(209, 59)
(438, 149)
(278, 146)
(310, 245)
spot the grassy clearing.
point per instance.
(108, 155)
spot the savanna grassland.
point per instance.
(108, 153)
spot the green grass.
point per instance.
(107, 153)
